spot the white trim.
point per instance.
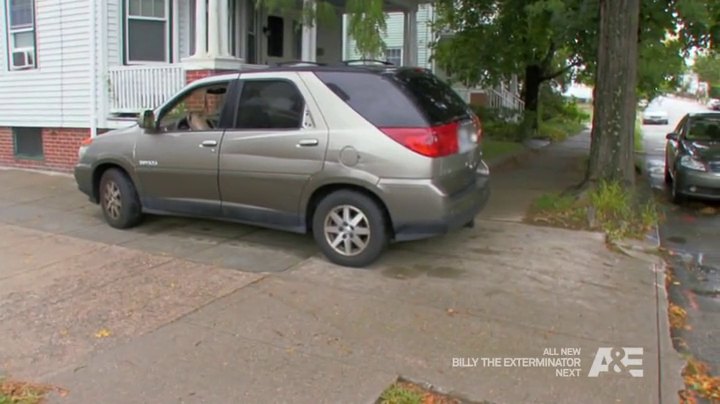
(22, 29)
(175, 39)
(169, 34)
(93, 68)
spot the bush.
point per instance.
(500, 123)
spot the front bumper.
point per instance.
(84, 180)
(420, 211)
(698, 184)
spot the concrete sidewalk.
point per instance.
(186, 329)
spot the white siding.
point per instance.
(114, 32)
(56, 94)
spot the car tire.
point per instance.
(119, 200)
(668, 176)
(356, 222)
(675, 196)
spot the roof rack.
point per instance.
(366, 62)
(299, 63)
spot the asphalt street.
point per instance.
(691, 235)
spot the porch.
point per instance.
(228, 35)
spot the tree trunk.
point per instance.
(612, 151)
(531, 98)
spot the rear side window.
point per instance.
(436, 99)
(270, 104)
(375, 98)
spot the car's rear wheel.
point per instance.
(668, 176)
(119, 200)
(350, 228)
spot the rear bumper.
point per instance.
(698, 184)
(83, 178)
(655, 120)
(419, 210)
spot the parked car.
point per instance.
(714, 104)
(655, 116)
(357, 156)
(692, 157)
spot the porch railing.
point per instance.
(137, 88)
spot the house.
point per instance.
(504, 95)
(74, 69)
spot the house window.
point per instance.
(147, 31)
(21, 33)
(394, 56)
(276, 36)
(28, 143)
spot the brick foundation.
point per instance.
(60, 149)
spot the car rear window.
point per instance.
(438, 101)
(375, 98)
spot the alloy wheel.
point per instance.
(113, 203)
(347, 230)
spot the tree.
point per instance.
(611, 151)
(492, 40)
(707, 66)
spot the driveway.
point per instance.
(183, 310)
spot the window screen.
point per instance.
(28, 142)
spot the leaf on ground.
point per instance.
(102, 333)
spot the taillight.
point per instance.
(437, 141)
(478, 128)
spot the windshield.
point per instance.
(704, 128)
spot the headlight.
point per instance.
(83, 147)
(692, 163)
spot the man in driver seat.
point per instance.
(203, 108)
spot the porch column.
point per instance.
(224, 22)
(200, 28)
(213, 31)
(410, 39)
(309, 37)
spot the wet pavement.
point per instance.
(691, 235)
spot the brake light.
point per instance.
(437, 141)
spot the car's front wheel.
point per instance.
(119, 200)
(675, 195)
(350, 228)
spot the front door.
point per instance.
(177, 164)
(278, 142)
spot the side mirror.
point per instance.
(147, 120)
(671, 136)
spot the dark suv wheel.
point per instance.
(119, 200)
(350, 228)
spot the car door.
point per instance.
(276, 145)
(177, 162)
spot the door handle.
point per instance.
(308, 143)
(209, 143)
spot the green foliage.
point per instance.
(399, 394)
(559, 117)
(618, 212)
(708, 67)
(500, 123)
(493, 149)
(494, 40)
(638, 138)
(609, 207)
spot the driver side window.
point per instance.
(198, 110)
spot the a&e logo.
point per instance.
(617, 360)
